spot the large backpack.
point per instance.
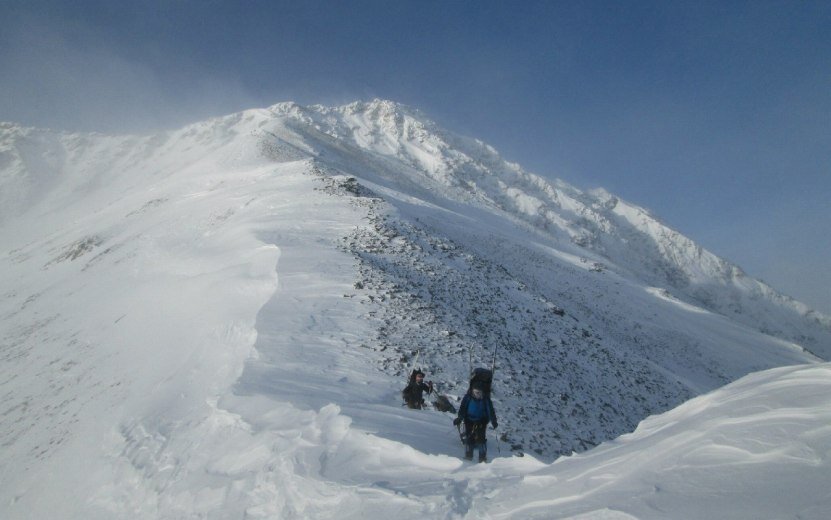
(481, 378)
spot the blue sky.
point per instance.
(714, 115)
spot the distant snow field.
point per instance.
(217, 322)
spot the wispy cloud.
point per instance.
(51, 79)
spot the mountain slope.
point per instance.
(170, 294)
(623, 234)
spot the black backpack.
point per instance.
(481, 378)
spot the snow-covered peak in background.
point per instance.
(217, 321)
(623, 234)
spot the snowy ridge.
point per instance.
(216, 322)
(623, 234)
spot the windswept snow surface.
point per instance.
(758, 448)
(216, 322)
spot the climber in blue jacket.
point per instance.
(476, 411)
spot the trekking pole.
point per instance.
(493, 372)
(433, 394)
(410, 373)
(493, 360)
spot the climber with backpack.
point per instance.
(476, 411)
(414, 391)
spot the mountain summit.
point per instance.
(625, 236)
(188, 312)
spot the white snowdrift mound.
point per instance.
(758, 448)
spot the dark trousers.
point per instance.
(476, 438)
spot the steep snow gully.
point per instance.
(216, 322)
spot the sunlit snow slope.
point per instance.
(216, 322)
(758, 448)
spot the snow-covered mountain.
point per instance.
(638, 244)
(218, 320)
